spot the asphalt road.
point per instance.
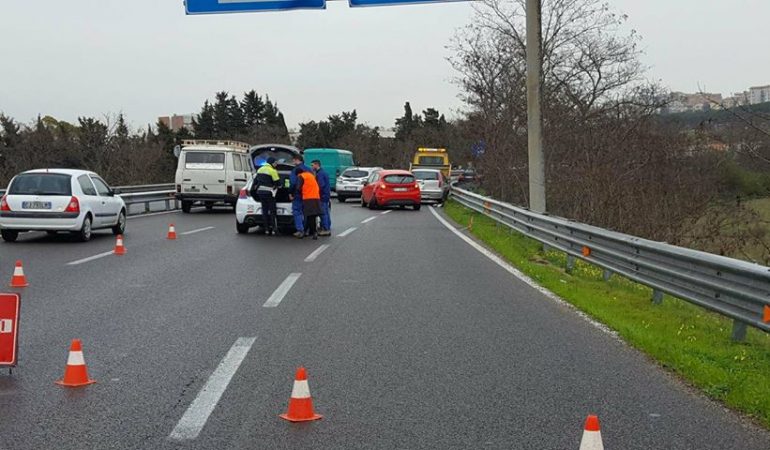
(411, 338)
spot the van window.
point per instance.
(432, 160)
(246, 165)
(237, 163)
(41, 184)
(204, 160)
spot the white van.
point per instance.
(211, 172)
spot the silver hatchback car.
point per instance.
(351, 182)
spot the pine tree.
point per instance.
(235, 122)
(203, 125)
(221, 115)
(406, 123)
(253, 109)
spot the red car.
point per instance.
(391, 188)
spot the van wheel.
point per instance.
(341, 199)
(9, 235)
(241, 228)
(186, 206)
(209, 206)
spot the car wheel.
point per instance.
(9, 235)
(209, 206)
(51, 233)
(341, 199)
(120, 227)
(363, 203)
(84, 235)
(186, 206)
(241, 228)
(417, 207)
(402, 207)
(373, 203)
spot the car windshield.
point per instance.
(425, 175)
(41, 184)
(399, 179)
(204, 160)
(355, 173)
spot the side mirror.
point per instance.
(115, 191)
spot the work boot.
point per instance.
(324, 233)
(299, 235)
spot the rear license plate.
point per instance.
(349, 188)
(192, 189)
(36, 205)
(400, 189)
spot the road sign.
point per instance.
(241, 6)
(9, 328)
(355, 3)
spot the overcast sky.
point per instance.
(146, 58)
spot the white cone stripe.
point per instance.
(592, 440)
(301, 389)
(76, 359)
(18, 272)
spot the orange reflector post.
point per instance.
(586, 251)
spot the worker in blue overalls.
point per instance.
(296, 202)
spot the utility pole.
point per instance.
(534, 114)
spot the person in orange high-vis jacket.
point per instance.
(308, 190)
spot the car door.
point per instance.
(90, 198)
(107, 207)
(366, 192)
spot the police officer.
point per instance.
(326, 197)
(268, 182)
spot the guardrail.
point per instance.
(731, 287)
(153, 197)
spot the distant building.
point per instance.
(738, 99)
(759, 94)
(683, 102)
(177, 122)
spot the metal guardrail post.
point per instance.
(570, 264)
(739, 331)
(657, 297)
(606, 275)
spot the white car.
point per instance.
(52, 200)
(351, 181)
(433, 185)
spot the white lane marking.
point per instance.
(282, 290)
(90, 258)
(369, 219)
(197, 231)
(385, 212)
(312, 257)
(518, 274)
(347, 232)
(193, 420)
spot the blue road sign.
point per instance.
(241, 6)
(355, 3)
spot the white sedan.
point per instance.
(77, 201)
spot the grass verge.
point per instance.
(683, 338)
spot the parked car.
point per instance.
(433, 185)
(334, 161)
(391, 188)
(468, 176)
(53, 200)
(211, 172)
(351, 181)
(248, 211)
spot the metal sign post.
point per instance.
(9, 329)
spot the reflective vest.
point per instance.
(310, 190)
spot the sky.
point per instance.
(146, 58)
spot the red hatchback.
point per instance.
(391, 188)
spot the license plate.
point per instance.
(36, 205)
(400, 189)
(192, 189)
(349, 188)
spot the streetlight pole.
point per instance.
(534, 114)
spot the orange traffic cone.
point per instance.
(76, 373)
(171, 232)
(119, 248)
(592, 435)
(300, 403)
(18, 280)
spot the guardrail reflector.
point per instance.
(766, 318)
(586, 251)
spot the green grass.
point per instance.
(685, 339)
(761, 206)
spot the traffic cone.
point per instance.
(592, 435)
(300, 403)
(18, 280)
(119, 248)
(171, 232)
(76, 373)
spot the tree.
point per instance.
(222, 119)
(406, 123)
(204, 126)
(253, 109)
